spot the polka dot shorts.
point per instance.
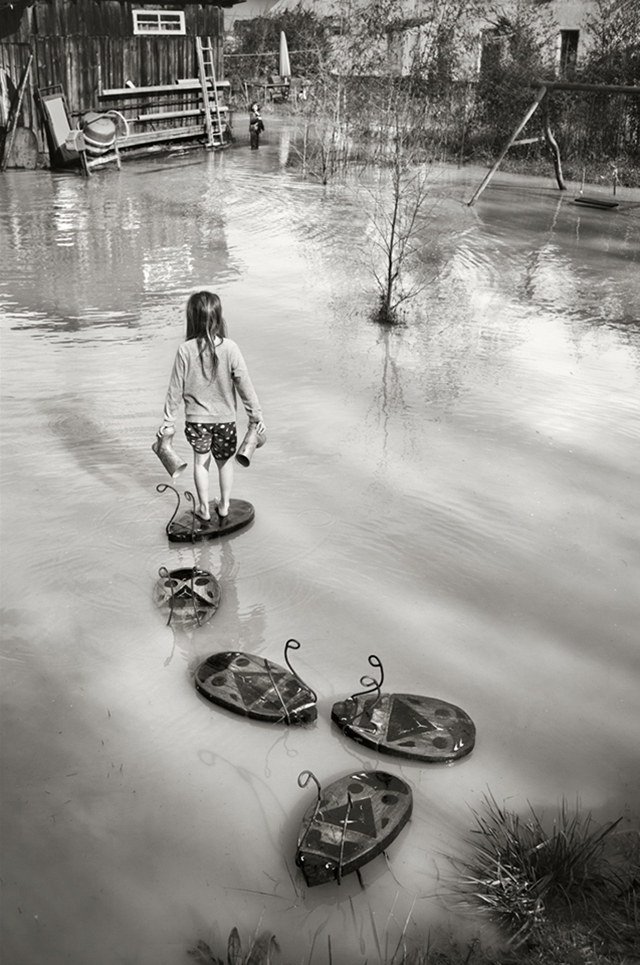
(219, 438)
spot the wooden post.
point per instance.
(553, 145)
(527, 117)
(13, 123)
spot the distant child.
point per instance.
(256, 127)
(207, 373)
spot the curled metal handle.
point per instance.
(304, 779)
(295, 645)
(291, 644)
(164, 574)
(372, 685)
(162, 488)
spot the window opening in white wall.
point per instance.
(158, 22)
(568, 49)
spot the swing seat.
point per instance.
(595, 202)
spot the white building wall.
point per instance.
(403, 46)
(565, 15)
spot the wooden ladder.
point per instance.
(207, 73)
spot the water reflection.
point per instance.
(459, 496)
(105, 252)
(564, 269)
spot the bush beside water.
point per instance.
(565, 894)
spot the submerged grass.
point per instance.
(262, 949)
(561, 893)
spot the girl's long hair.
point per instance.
(204, 323)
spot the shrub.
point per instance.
(532, 880)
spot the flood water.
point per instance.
(460, 496)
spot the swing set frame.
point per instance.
(541, 100)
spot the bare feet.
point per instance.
(203, 514)
(221, 510)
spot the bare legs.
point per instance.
(225, 476)
(201, 467)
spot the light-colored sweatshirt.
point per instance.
(205, 399)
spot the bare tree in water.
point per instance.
(324, 152)
(401, 208)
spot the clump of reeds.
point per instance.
(261, 951)
(533, 880)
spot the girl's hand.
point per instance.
(163, 428)
(260, 428)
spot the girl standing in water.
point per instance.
(207, 373)
(256, 126)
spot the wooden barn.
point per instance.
(158, 67)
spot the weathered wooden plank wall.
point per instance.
(98, 18)
(14, 59)
(87, 66)
(87, 46)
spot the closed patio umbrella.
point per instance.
(285, 66)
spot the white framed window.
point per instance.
(158, 22)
